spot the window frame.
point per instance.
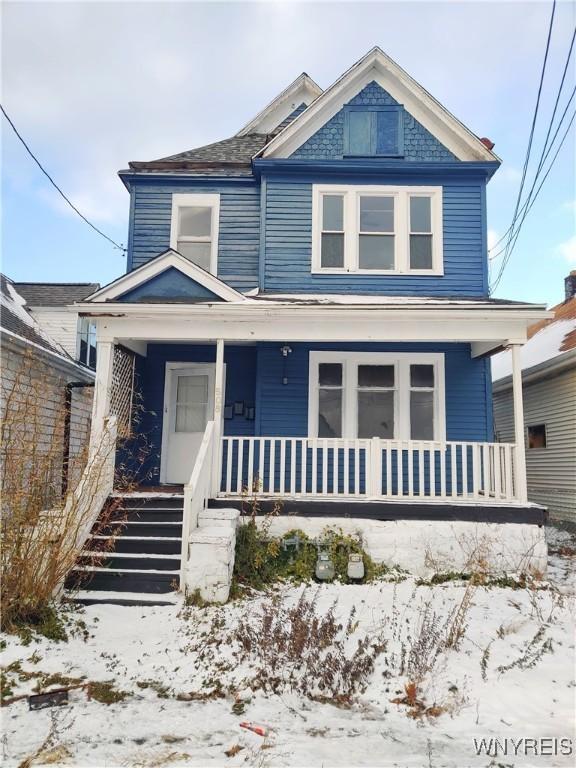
(351, 202)
(192, 200)
(373, 110)
(536, 447)
(402, 388)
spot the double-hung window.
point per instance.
(87, 341)
(194, 228)
(394, 396)
(377, 230)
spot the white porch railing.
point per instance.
(370, 469)
(198, 490)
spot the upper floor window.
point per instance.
(194, 228)
(377, 230)
(376, 130)
(87, 342)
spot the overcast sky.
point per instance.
(92, 85)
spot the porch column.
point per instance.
(218, 415)
(102, 387)
(521, 489)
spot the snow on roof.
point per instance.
(546, 340)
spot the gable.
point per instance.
(328, 142)
(170, 286)
(426, 111)
(167, 278)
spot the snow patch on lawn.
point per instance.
(511, 675)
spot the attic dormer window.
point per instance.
(194, 228)
(373, 131)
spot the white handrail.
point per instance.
(376, 468)
(197, 492)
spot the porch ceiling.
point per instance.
(485, 325)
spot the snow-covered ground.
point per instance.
(191, 681)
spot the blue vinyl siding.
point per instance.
(239, 231)
(282, 409)
(288, 235)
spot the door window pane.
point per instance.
(420, 251)
(422, 375)
(375, 375)
(420, 214)
(376, 214)
(330, 374)
(422, 415)
(332, 213)
(192, 389)
(330, 413)
(375, 414)
(195, 221)
(190, 418)
(198, 253)
(332, 255)
(376, 252)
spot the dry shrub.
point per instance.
(298, 649)
(42, 531)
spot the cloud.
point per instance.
(567, 250)
(570, 206)
(493, 238)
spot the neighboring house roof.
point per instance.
(54, 294)
(549, 341)
(19, 324)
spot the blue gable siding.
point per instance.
(282, 409)
(170, 285)
(328, 142)
(288, 239)
(238, 240)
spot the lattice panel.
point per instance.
(122, 391)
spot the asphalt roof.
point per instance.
(54, 294)
(15, 318)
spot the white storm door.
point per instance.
(188, 406)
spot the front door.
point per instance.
(188, 406)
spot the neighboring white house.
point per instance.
(51, 305)
(549, 385)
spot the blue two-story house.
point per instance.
(306, 310)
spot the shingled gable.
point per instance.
(377, 66)
(165, 278)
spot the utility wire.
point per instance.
(534, 118)
(537, 193)
(56, 187)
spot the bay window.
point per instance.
(393, 396)
(376, 230)
(194, 228)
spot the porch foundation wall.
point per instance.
(424, 547)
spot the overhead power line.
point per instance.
(56, 187)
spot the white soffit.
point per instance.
(302, 91)
(377, 66)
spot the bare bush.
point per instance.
(43, 531)
(297, 649)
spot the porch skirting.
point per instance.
(426, 547)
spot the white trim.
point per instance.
(211, 201)
(401, 362)
(156, 266)
(401, 195)
(376, 65)
(302, 91)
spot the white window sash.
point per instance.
(401, 197)
(402, 389)
(197, 200)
